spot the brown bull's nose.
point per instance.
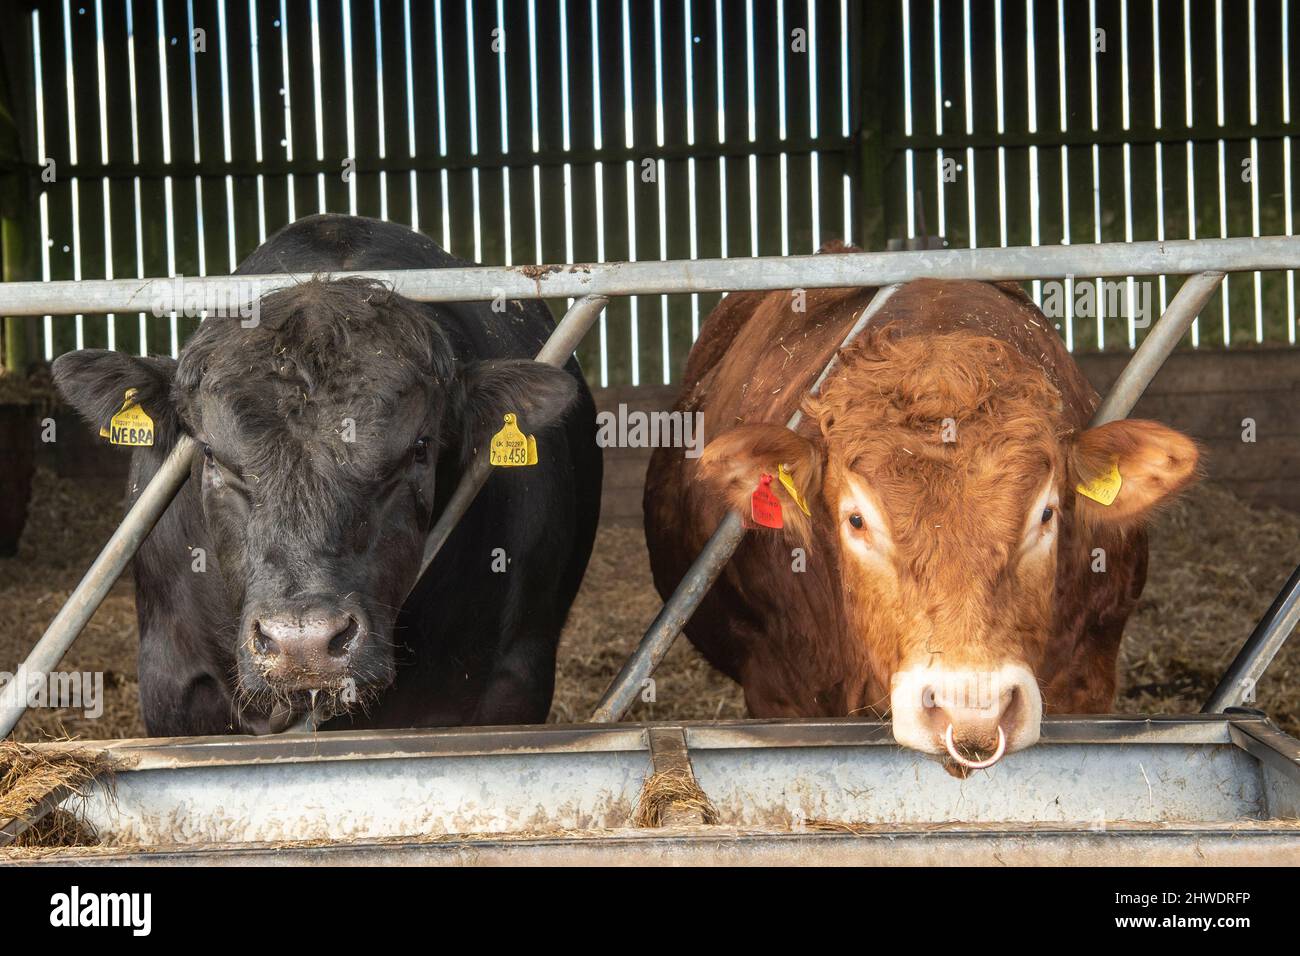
(304, 642)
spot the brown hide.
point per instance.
(783, 635)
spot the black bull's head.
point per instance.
(321, 429)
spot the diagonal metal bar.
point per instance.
(1278, 623)
(1157, 347)
(99, 580)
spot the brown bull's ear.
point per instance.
(733, 463)
(95, 383)
(1123, 470)
(539, 394)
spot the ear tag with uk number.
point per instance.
(787, 482)
(764, 506)
(131, 426)
(511, 448)
(1104, 488)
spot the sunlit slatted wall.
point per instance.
(1100, 121)
(517, 131)
(511, 131)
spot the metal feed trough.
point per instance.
(1219, 787)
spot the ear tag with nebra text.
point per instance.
(1104, 488)
(131, 426)
(511, 448)
(764, 506)
(787, 482)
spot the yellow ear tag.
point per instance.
(511, 448)
(131, 426)
(787, 482)
(1104, 488)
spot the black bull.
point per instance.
(335, 423)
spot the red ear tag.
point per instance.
(765, 507)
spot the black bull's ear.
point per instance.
(537, 393)
(95, 383)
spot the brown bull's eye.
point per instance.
(856, 520)
(1047, 515)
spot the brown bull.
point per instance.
(949, 574)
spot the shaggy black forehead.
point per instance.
(322, 352)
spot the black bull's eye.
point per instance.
(420, 450)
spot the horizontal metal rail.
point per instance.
(848, 270)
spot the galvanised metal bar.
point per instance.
(1182, 257)
(1157, 346)
(1272, 631)
(103, 574)
(681, 604)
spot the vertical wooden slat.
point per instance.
(640, 25)
(1236, 152)
(550, 132)
(798, 169)
(736, 98)
(518, 92)
(832, 166)
(512, 40)
(366, 92)
(1205, 155)
(90, 191)
(952, 63)
(614, 183)
(121, 189)
(333, 84)
(1270, 167)
(54, 96)
(674, 192)
(393, 118)
(243, 135)
(457, 46)
(273, 90)
(207, 79)
(577, 23)
(424, 53)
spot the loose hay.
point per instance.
(672, 797)
(30, 778)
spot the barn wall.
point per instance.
(581, 130)
(1205, 394)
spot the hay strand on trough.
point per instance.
(33, 782)
(673, 798)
